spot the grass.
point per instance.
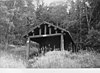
(8, 60)
(52, 59)
(65, 59)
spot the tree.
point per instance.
(5, 22)
(14, 13)
(86, 14)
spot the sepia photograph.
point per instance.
(49, 34)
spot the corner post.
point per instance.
(28, 48)
(49, 30)
(62, 42)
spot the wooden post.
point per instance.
(28, 48)
(49, 30)
(54, 48)
(56, 30)
(62, 42)
(39, 31)
(45, 29)
(33, 32)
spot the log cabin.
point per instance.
(50, 36)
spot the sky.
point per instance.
(47, 2)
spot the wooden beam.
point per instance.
(49, 30)
(45, 29)
(38, 26)
(39, 31)
(62, 42)
(49, 25)
(55, 30)
(33, 32)
(36, 36)
(28, 49)
(54, 47)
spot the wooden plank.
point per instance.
(36, 36)
(62, 42)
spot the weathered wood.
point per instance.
(33, 32)
(62, 42)
(54, 47)
(49, 25)
(49, 30)
(55, 30)
(36, 36)
(28, 49)
(39, 31)
(45, 29)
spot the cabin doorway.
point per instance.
(49, 42)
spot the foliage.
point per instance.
(86, 22)
(17, 14)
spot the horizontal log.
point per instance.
(36, 36)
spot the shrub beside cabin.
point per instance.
(48, 35)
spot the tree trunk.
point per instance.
(88, 22)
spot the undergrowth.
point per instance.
(9, 60)
(65, 59)
(52, 59)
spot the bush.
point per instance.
(65, 59)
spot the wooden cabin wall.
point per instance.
(67, 42)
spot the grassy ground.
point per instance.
(8, 60)
(52, 59)
(65, 59)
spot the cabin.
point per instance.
(50, 36)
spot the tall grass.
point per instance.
(52, 59)
(65, 59)
(8, 60)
